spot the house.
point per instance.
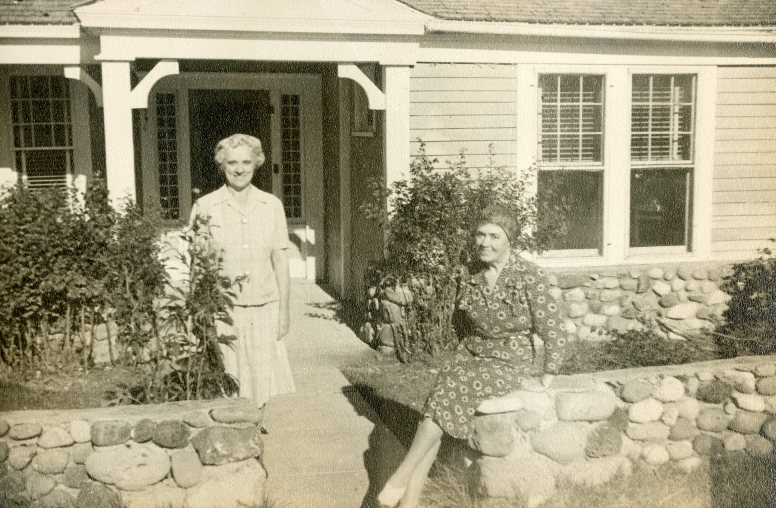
(658, 119)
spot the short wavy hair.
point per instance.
(500, 216)
(235, 140)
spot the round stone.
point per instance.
(712, 419)
(584, 406)
(143, 430)
(492, 434)
(655, 272)
(55, 437)
(197, 419)
(79, 452)
(109, 433)
(647, 410)
(4, 427)
(38, 485)
(766, 386)
(746, 422)
(51, 461)
(650, 431)
(742, 381)
(759, 371)
(130, 467)
(670, 415)
(758, 446)
(22, 431)
(687, 407)
(75, 477)
(604, 441)
(683, 429)
(171, 434)
(769, 428)
(97, 495)
(705, 444)
(679, 450)
(636, 390)
(689, 464)
(734, 442)
(563, 442)
(749, 401)
(186, 467)
(20, 456)
(527, 420)
(655, 454)
(669, 389)
(714, 391)
(243, 413)
(661, 288)
(81, 430)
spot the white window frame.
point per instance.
(617, 164)
(79, 118)
(592, 166)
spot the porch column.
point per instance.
(396, 128)
(119, 144)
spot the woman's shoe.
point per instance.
(390, 495)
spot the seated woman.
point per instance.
(504, 303)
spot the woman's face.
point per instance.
(239, 166)
(492, 244)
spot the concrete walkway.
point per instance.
(318, 452)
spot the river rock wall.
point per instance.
(197, 454)
(588, 428)
(677, 299)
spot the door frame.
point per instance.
(309, 228)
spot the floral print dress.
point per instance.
(497, 351)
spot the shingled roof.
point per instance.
(39, 12)
(606, 12)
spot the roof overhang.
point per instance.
(367, 17)
(655, 33)
(40, 31)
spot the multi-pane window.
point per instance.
(42, 129)
(292, 157)
(662, 154)
(167, 149)
(571, 155)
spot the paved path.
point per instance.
(320, 451)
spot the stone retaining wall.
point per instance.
(681, 299)
(198, 454)
(588, 428)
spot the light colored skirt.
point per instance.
(256, 358)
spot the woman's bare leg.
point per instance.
(418, 479)
(427, 438)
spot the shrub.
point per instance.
(432, 215)
(750, 321)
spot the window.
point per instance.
(167, 151)
(292, 157)
(571, 155)
(42, 130)
(662, 152)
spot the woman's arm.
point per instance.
(279, 260)
(547, 322)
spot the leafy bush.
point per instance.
(71, 263)
(750, 321)
(430, 223)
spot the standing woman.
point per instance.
(504, 303)
(248, 228)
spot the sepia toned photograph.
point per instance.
(387, 253)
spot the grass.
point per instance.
(66, 388)
(732, 480)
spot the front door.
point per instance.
(217, 114)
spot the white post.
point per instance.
(119, 145)
(396, 84)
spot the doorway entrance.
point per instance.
(217, 114)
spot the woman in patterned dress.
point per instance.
(504, 303)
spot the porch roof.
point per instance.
(37, 12)
(377, 17)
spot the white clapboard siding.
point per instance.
(469, 107)
(744, 197)
(746, 171)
